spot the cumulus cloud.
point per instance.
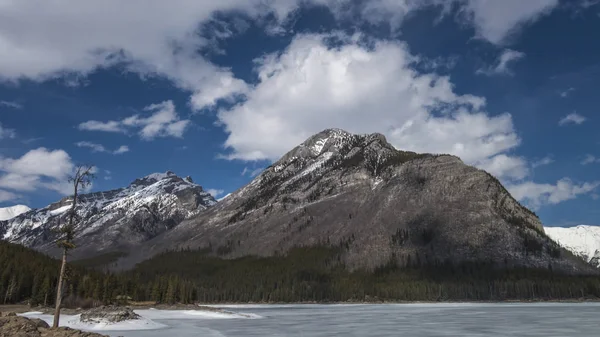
(506, 166)
(10, 104)
(215, 192)
(572, 118)
(6, 133)
(312, 86)
(41, 41)
(100, 148)
(163, 122)
(507, 57)
(537, 195)
(39, 168)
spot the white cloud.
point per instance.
(121, 149)
(8, 196)
(507, 57)
(590, 159)
(542, 162)
(566, 93)
(100, 148)
(572, 118)
(39, 168)
(10, 104)
(41, 41)
(497, 21)
(163, 122)
(493, 20)
(110, 126)
(506, 166)
(215, 192)
(72, 39)
(537, 195)
(6, 133)
(311, 87)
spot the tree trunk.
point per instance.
(59, 289)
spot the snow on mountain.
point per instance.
(115, 219)
(581, 240)
(7, 213)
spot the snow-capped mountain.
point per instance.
(377, 203)
(581, 240)
(116, 219)
(12, 211)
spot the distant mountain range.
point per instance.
(358, 193)
(115, 220)
(582, 240)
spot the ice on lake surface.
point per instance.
(419, 320)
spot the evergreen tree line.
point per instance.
(303, 275)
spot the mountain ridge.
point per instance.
(381, 204)
(113, 219)
(378, 204)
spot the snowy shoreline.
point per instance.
(146, 321)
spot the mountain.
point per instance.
(12, 211)
(113, 220)
(376, 203)
(583, 241)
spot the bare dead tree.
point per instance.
(82, 177)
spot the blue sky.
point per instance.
(219, 89)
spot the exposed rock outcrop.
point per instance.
(17, 326)
(108, 315)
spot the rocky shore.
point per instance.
(12, 325)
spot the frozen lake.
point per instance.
(419, 320)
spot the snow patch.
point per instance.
(7, 213)
(318, 147)
(74, 322)
(581, 240)
(59, 210)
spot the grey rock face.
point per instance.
(113, 220)
(378, 204)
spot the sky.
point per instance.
(218, 90)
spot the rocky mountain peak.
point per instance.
(336, 148)
(154, 177)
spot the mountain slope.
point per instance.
(113, 220)
(581, 240)
(379, 204)
(12, 211)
